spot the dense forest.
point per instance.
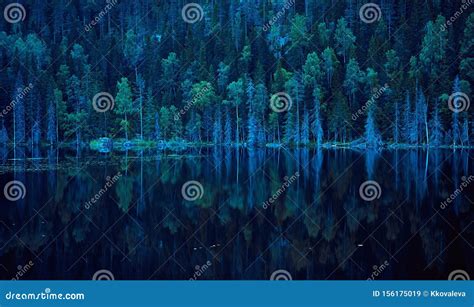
(237, 72)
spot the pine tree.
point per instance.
(169, 80)
(465, 132)
(316, 126)
(289, 128)
(149, 116)
(436, 128)
(352, 80)
(305, 128)
(421, 117)
(51, 135)
(338, 116)
(345, 39)
(295, 89)
(35, 133)
(61, 113)
(406, 121)
(456, 130)
(157, 134)
(329, 64)
(228, 128)
(312, 70)
(260, 106)
(223, 77)
(235, 92)
(123, 104)
(372, 137)
(19, 130)
(396, 125)
(217, 133)
(252, 131)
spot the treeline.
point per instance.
(243, 72)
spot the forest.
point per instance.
(237, 72)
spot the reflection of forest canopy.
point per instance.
(313, 218)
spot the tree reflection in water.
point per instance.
(318, 228)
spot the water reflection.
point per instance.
(318, 227)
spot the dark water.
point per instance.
(318, 227)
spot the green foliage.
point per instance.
(175, 82)
(203, 94)
(345, 39)
(312, 70)
(123, 103)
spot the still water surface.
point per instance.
(318, 226)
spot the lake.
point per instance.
(223, 213)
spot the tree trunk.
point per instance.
(126, 128)
(141, 103)
(237, 136)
